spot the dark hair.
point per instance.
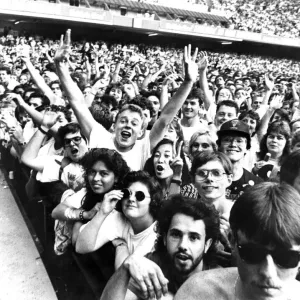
(279, 127)
(195, 208)
(113, 161)
(253, 115)
(268, 213)
(6, 69)
(195, 94)
(229, 103)
(143, 103)
(44, 98)
(107, 100)
(55, 82)
(116, 85)
(283, 115)
(290, 168)
(204, 157)
(69, 128)
(153, 187)
(102, 115)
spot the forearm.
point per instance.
(87, 239)
(117, 286)
(122, 253)
(295, 94)
(208, 100)
(264, 123)
(36, 116)
(146, 82)
(116, 73)
(163, 96)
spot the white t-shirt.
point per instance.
(135, 158)
(72, 174)
(189, 131)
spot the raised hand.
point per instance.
(148, 276)
(17, 97)
(49, 118)
(203, 61)
(276, 102)
(269, 83)
(190, 66)
(177, 163)
(17, 133)
(110, 200)
(63, 51)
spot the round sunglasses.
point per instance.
(139, 195)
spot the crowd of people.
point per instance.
(187, 162)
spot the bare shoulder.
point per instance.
(206, 285)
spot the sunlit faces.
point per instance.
(265, 280)
(171, 133)
(117, 93)
(100, 178)
(4, 77)
(134, 209)
(212, 189)
(295, 106)
(224, 94)
(201, 144)
(56, 89)
(23, 79)
(234, 146)
(257, 101)
(128, 128)
(35, 102)
(190, 108)
(155, 104)
(275, 143)
(185, 243)
(225, 113)
(251, 124)
(161, 161)
(75, 146)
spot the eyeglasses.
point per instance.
(215, 174)
(255, 254)
(139, 195)
(76, 140)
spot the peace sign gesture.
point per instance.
(177, 163)
(189, 62)
(63, 51)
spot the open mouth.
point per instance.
(182, 257)
(74, 151)
(125, 134)
(159, 168)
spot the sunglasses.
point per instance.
(254, 254)
(76, 140)
(139, 195)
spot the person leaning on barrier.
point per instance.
(265, 222)
(188, 230)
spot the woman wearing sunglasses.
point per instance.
(104, 170)
(132, 227)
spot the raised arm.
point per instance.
(202, 64)
(74, 94)
(172, 107)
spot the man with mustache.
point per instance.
(265, 224)
(188, 230)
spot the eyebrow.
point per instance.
(189, 232)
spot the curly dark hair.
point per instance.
(278, 127)
(113, 161)
(69, 128)
(253, 115)
(143, 103)
(153, 186)
(195, 208)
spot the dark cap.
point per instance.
(235, 126)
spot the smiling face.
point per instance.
(224, 94)
(100, 178)
(211, 189)
(162, 158)
(202, 143)
(265, 280)
(117, 93)
(134, 209)
(275, 143)
(234, 146)
(185, 243)
(251, 124)
(128, 128)
(190, 108)
(225, 113)
(75, 150)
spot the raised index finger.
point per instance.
(68, 37)
(179, 148)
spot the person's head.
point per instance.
(219, 81)
(211, 173)
(280, 115)
(223, 94)
(23, 79)
(294, 106)
(174, 131)
(295, 125)
(4, 74)
(142, 196)
(226, 110)
(276, 140)
(74, 143)
(251, 118)
(128, 126)
(257, 101)
(191, 105)
(56, 88)
(234, 139)
(295, 143)
(21, 115)
(155, 103)
(116, 90)
(188, 230)
(104, 170)
(37, 99)
(265, 222)
(201, 141)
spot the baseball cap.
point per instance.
(235, 126)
